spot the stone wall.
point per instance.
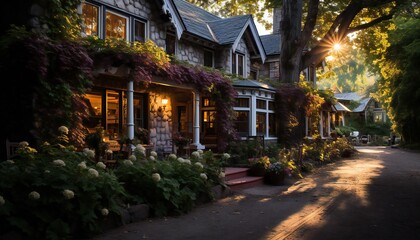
(190, 52)
(160, 119)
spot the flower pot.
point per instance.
(276, 179)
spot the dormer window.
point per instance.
(139, 31)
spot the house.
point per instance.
(365, 109)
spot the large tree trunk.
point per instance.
(290, 44)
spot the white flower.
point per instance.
(101, 165)
(132, 158)
(188, 161)
(221, 174)
(109, 151)
(200, 151)
(59, 163)
(93, 172)
(10, 161)
(180, 159)
(88, 152)
(104, 211)
(156, 177)
(63, 129)
(225, 156)
(195, 154)
(172, 157)
(153, 153)
(68, 194)
(82, 165)
(23, 144)
(127, 162)
(47, 171)
(140, 148)
(203, 176)
(34, 195)
(152, 158)
(199, 164)
(2, 201)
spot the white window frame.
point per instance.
(146, 29)
(127, 27)
(246, 109)
(235, 58)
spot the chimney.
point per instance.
(276, 20)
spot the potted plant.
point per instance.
(276, 173)
(258, 166)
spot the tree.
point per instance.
(330, 20)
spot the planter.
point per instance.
(276, 179)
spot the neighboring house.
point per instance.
(367, 109)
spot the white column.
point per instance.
(253, 112)
(321, 129)
(196, 126)
(329, 124)
(130, 110)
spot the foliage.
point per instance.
(179, 140)
(320, 150)
(260, 162)
(142, 135)
(398, 92)
(56, 193)
(277, 168)
(241, 151)
(171, 186)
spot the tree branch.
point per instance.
(371, 23)
(310, 20)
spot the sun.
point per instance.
(337, 47)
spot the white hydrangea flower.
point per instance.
(199, 164)
(89, 153)
(10, 161)
(59, 163)
(180, 159)
(172, 157)
(195, 154)
(127, 162)
(225, 156)
(23, 144)
(156, 177)
(63, 129)
(93, 172)
(108, 151)
(200, 151)
(153, 154)
(203, 176)
(221, 174)
(132, 158)
(68, 194)
(188, 161)
(82, 165)
(34, 195)
(47, 171)
(101, 165)
(2, 201)
(152, 158)
(105, 212)
(140, 148)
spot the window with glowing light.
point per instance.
(116, 25)
(90, 16)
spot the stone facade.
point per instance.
(190, 52)
(160, 118)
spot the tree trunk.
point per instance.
(290, 44)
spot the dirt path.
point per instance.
(375, 195)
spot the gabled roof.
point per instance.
(349, 96)
(363, 104)
(222, 31)
(247, 83)
(340, 107)
(271, 44)
(169, 8)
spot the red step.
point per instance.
(237, 178)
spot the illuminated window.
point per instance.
(207, 102)
(90, 16)
(116, 26)
(242, 102)
(261, 123)
(242, 123)
(209, 122)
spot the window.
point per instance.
(139, 31)
(209, 122)
(94, 102)
(116, 26)
(270, 105)
(242, 102)
(242, 123)
(261, 123)
(271, 125)
(102, 22)
(90, 15)
(170, 44)
(208, 58)
(238, 64)
(261, 104)
(207, 102)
